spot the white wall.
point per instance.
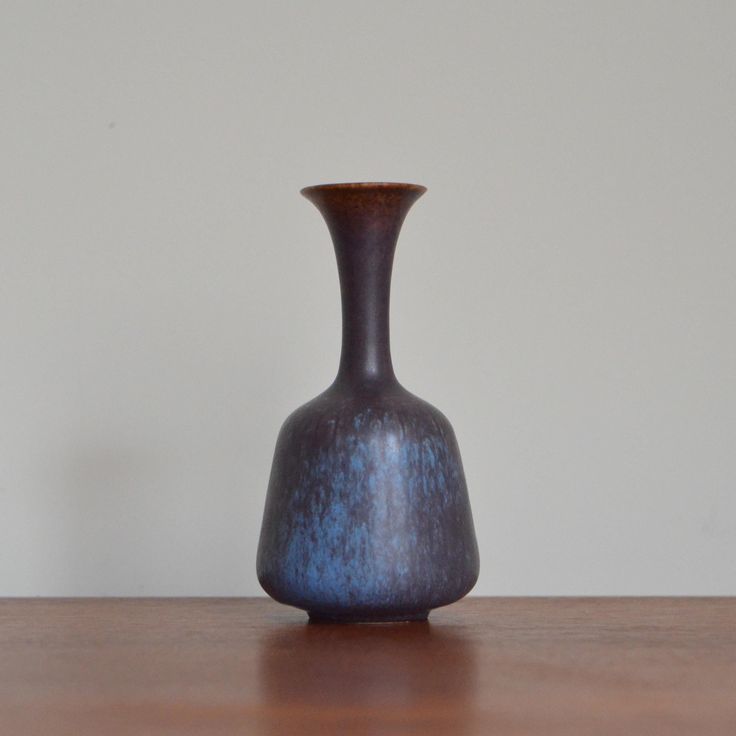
(565, 292)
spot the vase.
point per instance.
(367, 516)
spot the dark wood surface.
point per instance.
(482, 666)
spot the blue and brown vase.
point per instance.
(367, 515)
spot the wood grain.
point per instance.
(483, 666)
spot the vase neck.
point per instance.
(364, 221)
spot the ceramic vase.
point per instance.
(367, 517)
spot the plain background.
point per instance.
(565, 292)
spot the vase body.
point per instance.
(367, 515)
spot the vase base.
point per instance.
(321, 617)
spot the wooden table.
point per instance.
(483, 666)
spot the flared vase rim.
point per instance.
(366, 186)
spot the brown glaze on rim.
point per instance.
(358, 185)
(358, 209)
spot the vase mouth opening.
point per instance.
(418, 189)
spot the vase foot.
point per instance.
(321, 617)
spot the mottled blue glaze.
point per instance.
(367, 515)
(367, 510)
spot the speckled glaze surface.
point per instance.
(367, 515)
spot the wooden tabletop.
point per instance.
(482, 666)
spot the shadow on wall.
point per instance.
(165, 496)
(113, 519)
